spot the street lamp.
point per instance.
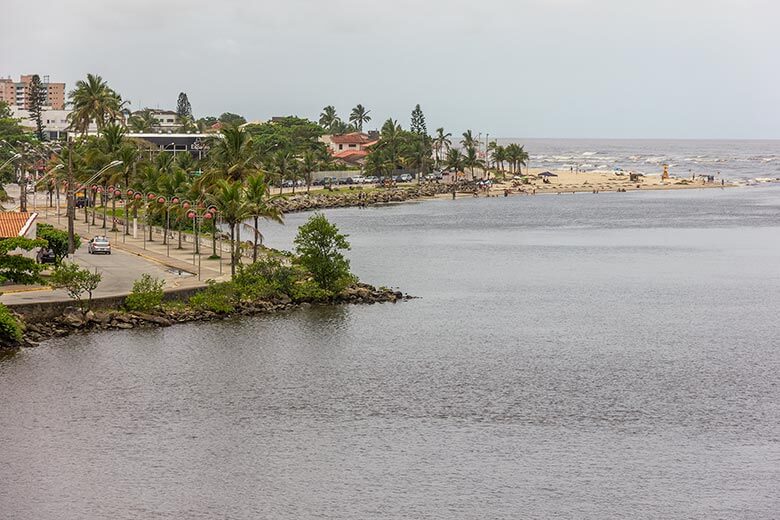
(13, 158)
(198, 219)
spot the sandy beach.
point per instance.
(600, 181)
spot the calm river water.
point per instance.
(574, 356)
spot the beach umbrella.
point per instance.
(547, 174)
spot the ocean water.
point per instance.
(586, 356)
(736, 160)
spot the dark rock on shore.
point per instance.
(74, 321)
(346, 197)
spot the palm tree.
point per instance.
(417, 155)
(441, 143)
(258, 198)
(187, 124)
(232, 156)
(390, 141)
(499, 156)
(282, 166)
(359, 116)
(377, 163)
(472, 160)
(455, 161)
(230, 201)
(328, 117)
(142, 121)
(309, 164)
(93, 100)
(516, 156)
(468, 141)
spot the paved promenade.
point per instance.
(131, 257)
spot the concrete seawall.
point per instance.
(47, 310)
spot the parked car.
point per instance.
(358, 180)
(371, 179)
(99, 244)
(404, 177)
(82, 202)
(45, 256)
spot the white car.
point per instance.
(99, 245)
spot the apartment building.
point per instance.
(17, 93)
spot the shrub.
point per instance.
(220, 297)
(309, 291)
(319, 245)
(267, 278)
(10, 330)
(147, 294)
(76, 281)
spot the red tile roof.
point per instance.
(350, 154)
(15, 224)
(353, 138)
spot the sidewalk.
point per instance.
(153, 251)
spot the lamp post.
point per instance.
(98, 174)
(197, 219)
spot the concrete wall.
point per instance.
(47, 310)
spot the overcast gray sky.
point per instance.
(513, 68)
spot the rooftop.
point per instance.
(15, 223)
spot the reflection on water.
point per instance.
(575, 357)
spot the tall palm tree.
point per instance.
(471, 160)
(328, 117)
(93, 100)
(516, 156)
(232, 156)
(359, 116)
(282, 166)
(391, 140)
(258, 198)
(468, 141)
(230, 201)
(309, 165)
(454, 161)
(441, 142)
(142, 121)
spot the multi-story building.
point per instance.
(17, 93)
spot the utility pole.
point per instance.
(71, 203)
(22, 188)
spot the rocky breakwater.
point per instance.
(74, 321)
(345, 197)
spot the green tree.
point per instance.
(260, 205)
(454, 161)
(37, 100)
(93, 100)
(15, 268)
(359, 116)
(471, 160)
(232, 156)
(57, 241)
(77, 282)
(468, 140)
(142, 121)
(319, 245)
(329, 117)
(441, 143)
(230, 201)
(183, 107)
(418, 121)
(309, 164)
(229, 118)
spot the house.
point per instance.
(18, 224)
(355, 142)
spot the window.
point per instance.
(341, 147)
(352, 145)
